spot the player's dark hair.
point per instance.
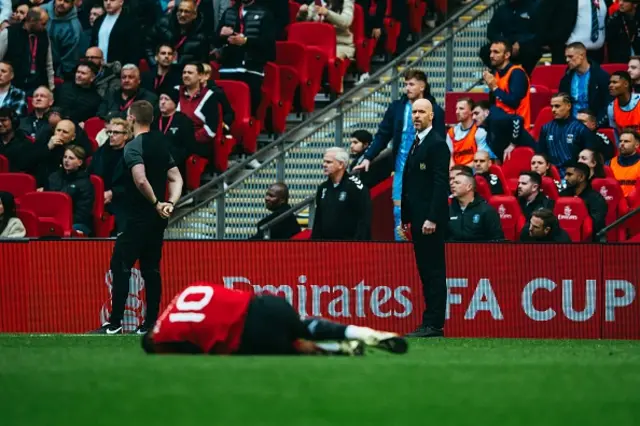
(631, 131)
(549, 219)
(484, 104)
(589, 113)
(465, 170)
(535, 177)
(142, 111)
(508, 47)
(198, 65)
(161, 45)
(362, 136)
(623, 75)
(566, 98)
(576, 46)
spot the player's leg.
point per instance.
(322, 329)
(150, 258)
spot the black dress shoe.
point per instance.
(426, 331)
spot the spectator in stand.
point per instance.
(359, 143)
(529, 195)
(184, 29)
(594, 162)
(471, 219)
(163, 75)
(589, 119)
(106, 159)
(623, 112)
(466, 138)
(280, 12)
(79, 99)
(397, 125)
(177, 127)
(219, 7)
(338, 13)
(117, 34)
(200, 104)
(65, 33)
(20, 10)
(72, 179)
(97, 10)
(586, 82)
(35, 68)
(626, 166)
(514, 21)
(504, 132)
(108, 75)
(481, 165)
(509, 84)
(15, 145)
(277, 202)
(634, 73)
(541, 165)
(455, 171)
(544, 228)
(10, 95)
(622, 33)
(246, 45)
(563, 138)
(578, 185)
(374, 15)
(119, 101)
(42, 102)
(10, 225)
(343, 204)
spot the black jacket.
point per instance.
(494, 183)
(280, 231)
(79, 187)
(260, 30)
(343, 212)
(18, 152)
(540, 202)
(373, 21)
(48, 161)
(181, 134)
(504, 129)
(104, 163)
(620, 30)
(31, 124)
(599, 98)
(156, 84)
(195, 47)
(113, 103)
(556, 235)
(124, 41)
(18, 55)
(77, 102)
(478, 223)
(596, 205)
(425, 183)
(514, 21)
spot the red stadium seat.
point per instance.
(293, 11)
(519, 161)
(290, 58)
(555, 174)
(270, 91)
(54, 211)
(365, 44)
(302, 235)
(482, 188)
(4, 164)
(222, 147)
(549, 188)
(17, 184)
(452, 98)
(58, 81)
(497, 170)
(143, 65)
(633, 224)
(92, 127)
(511, 217)
(611, 135)
(29, 104)
(616, 203)
(103, 222)
(309, 65)
(540, 98)
(30, 222)
(320, 38)
(392, 30)
(611, 68)
(548, 75)
(244, 129)
(417, 10)
(382, 228)
(574, 218)
(544, 117)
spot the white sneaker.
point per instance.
(386, 341)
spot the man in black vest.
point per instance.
(247, 38)
(425, 211)
(27, 48)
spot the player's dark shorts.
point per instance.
(271, 327)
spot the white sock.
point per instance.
(353, 332)
(329, 346)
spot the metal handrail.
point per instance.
(336, 104)
(601, 235)
(309, 201)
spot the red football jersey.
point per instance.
(207, 315)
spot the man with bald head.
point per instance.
(276, 201)
(425, 214)
(51, 151)
(481, 164)
(108, 76)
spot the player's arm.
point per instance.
(142, 183)
(175, 184)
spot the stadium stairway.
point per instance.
(231, 205)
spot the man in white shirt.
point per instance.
(590, 28)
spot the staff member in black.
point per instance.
(343, 203)
(144, 170)
(425, 212)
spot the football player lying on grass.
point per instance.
(211, 319)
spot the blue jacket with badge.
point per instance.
(479, 222)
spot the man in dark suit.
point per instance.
(425, 212)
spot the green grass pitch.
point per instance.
(91, 381)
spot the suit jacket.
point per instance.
(425, 183)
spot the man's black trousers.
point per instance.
(142, 240)
(430, 260)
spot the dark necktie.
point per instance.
(595, 22)
(416, 142)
